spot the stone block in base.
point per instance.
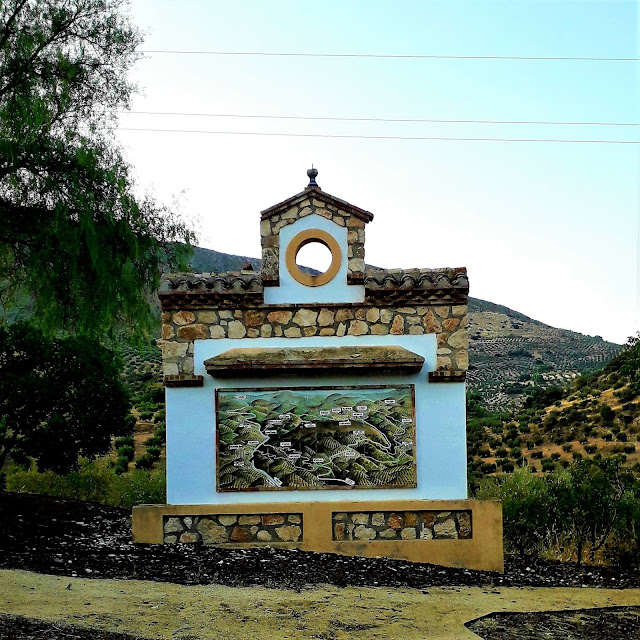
(452, 533)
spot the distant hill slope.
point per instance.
(210, 261)
(595, 415)
(508, 350)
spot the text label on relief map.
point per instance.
(315, 438)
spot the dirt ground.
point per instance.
(160, 610)
(72, 563)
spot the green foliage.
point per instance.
(594, 505)
(75, 239)
(526, 509)
(94, 483)
(607, 413)
(593, 498)
(123, 441)
(59, 399)
(153, 451)
(547, 464)
(145, 462)
(126, 451)
(541, 398)
(121, 465)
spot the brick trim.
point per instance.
(447, 376)
(183, 380)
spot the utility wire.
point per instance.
(339, 119)
(325, 135)
(383, 55)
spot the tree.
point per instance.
(593, 497)
(59, 399)
(74, 236)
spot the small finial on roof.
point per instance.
(312, 173)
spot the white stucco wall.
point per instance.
(293, 292)
(440, 426)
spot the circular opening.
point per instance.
(314, 258)
(295, 256)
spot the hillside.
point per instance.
(509, 352)
(594, 415)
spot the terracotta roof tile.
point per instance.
(323, 196)
(228, 283)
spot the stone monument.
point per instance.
(322, 411)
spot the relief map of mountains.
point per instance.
(315, 438)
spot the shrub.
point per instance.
(595, 499)
(555, 456)
(146, 413)
(153, 452)
(607, 413)
(501, 452)
(145, 462)
(525, 508)
(547, 464)
(567, 448)
(93, 482)
(121, 442)
(576, 455)
(591, 448)
(121, 466)
(629, 448)
(621, 437)
(536, 455)
(126, 452)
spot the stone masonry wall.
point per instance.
(307, 205)
(403, 525)
(181, 328)
(234, 528)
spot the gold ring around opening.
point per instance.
(299, 241)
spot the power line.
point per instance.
(386, 55)
(326, 135)
(341, 119)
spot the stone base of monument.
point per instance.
(452, 533)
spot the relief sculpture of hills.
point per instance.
(508, 351)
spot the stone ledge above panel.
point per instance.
(264, 361)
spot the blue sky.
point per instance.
(548, 229)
